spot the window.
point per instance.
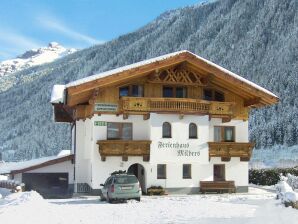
(175, 91)
(219, 172)
(168, 91)
(166, 130)
(161, 171)
(131, 90)
(186, 171)
(124, 91)
(193, 130)
(180, 92)
(213, 95)
(119, 131)
(224, 134)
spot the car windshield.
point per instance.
(126, 180)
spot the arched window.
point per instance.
(166, 130)
(193, 130)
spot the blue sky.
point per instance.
(27, 24)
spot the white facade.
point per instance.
(91, 170)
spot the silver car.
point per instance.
(120, 187)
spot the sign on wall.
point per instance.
(182, 149)
(100, 123)
(106, 107)
(179, 151)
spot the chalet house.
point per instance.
(178, 121)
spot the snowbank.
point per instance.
(292, 181)
(286, 193)
(29, 197)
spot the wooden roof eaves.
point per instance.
(227, 78)
(44, 164)
(127, 74)
(267, 99)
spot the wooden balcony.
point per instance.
(124, 148)
(179, 105)
(226, 150)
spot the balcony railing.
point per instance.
(143, 104)
(226, 150)
(124, 148)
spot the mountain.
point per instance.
(29, 59)
(254, 38)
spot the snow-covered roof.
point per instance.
(57, 95)
(7, 167)
(122, 69)
(161, 58)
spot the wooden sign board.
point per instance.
(106, 107)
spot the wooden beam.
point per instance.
(226, 119)
(252, 102)
(225, 159)
(125, 116)
(146, 116)
(146, 158)
(244, 159)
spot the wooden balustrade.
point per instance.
(124, 148)
(226, 150)
(181, 105)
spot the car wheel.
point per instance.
(102, 198)
(138, 199)
(108, 199)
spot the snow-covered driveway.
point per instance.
(255, 207)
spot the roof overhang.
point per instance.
(43, 164)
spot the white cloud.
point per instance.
(58, 26)
(17, 40)
(13, 43)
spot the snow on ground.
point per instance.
(258, 206)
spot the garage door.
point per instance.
(49, 185)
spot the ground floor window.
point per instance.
(186, 171)
(119, 131)
(219, 172)
(161, 171)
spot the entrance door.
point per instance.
(139, 171)
(219, 172)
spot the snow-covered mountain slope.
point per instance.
(254, 38)
(34, 57)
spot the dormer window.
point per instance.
(132, 90)
(213, 95)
